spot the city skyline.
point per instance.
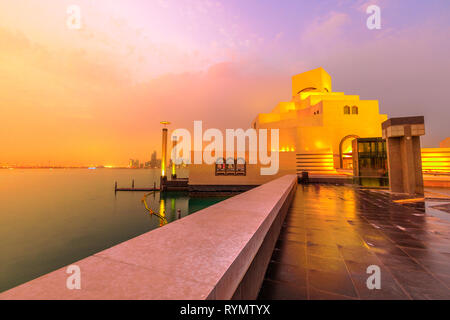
(153, 163)
(96, 95)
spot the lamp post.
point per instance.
(174, 146)
(164, 154)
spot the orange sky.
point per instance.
(96, 95)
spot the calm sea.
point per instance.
(52, 218)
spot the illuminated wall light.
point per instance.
(440, 163)
(319, 144)
(319, 162)
(435, 161)
(306, 95)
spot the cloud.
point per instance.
(361, 5)
(99, 94)
(327, 27)
(69, 108)
(406, 70)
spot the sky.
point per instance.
(96, 95)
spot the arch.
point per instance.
(341, 156)
(230, 166)
(241, 166)
(307, 89)
(240, 160)
(220, 166)
(346, 109)
(230, 160)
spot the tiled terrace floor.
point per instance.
(333, 233)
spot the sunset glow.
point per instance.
(95, 95)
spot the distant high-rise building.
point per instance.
(154, 160)
(134, 163)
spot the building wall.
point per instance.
(316, 78)
(337, 125)
(314, 121)
(445, 143)
(203, 174)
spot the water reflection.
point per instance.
(175, 205)
(75, 214)
(162, 213)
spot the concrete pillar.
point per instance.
(163, 181)
(164, 153)
(404, 155)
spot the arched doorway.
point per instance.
(341, 152)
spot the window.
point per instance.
(241, 167)
(231, 167)
(346, 110)
(220, 167)
(354, 110)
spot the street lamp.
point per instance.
(164, 149)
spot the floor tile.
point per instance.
(279, 291)
(336, 283)
(286, 273)
(333, 233)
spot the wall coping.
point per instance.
(202, 256)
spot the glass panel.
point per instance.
(346, 110)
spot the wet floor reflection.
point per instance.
(333, 233)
